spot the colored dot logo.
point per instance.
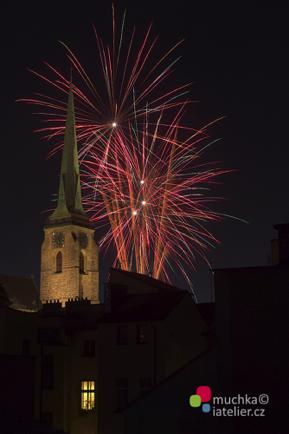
(201, 398)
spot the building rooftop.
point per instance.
(145, 307)
(118, 274)
(21, 291)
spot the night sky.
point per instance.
(237, 59)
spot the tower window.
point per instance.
(59, 262)
(87, 395)
(81, 263)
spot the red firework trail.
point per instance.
(152, 189)
(142, 172)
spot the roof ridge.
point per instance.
(157, 282)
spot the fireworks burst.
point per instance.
(142, 172)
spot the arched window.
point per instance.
(59, 262)
(81, 263)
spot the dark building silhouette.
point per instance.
(252, 333)
(21, 291)
(80, 362)
(128, 365)
(86, 362)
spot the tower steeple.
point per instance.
(69, 201)
(69, 253)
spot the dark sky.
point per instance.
(238, 60)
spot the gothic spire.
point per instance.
(69, 203)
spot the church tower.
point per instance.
(69, 253)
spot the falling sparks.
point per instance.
(143, 178)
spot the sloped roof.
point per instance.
(21, 291)
(143, 299)
(147, 280)
(146, 307)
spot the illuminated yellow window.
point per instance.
(87, 395)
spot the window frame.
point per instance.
(89, 348)
(121, 338)
(90, 392)
(121, 393)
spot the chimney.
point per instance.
(280, 247)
